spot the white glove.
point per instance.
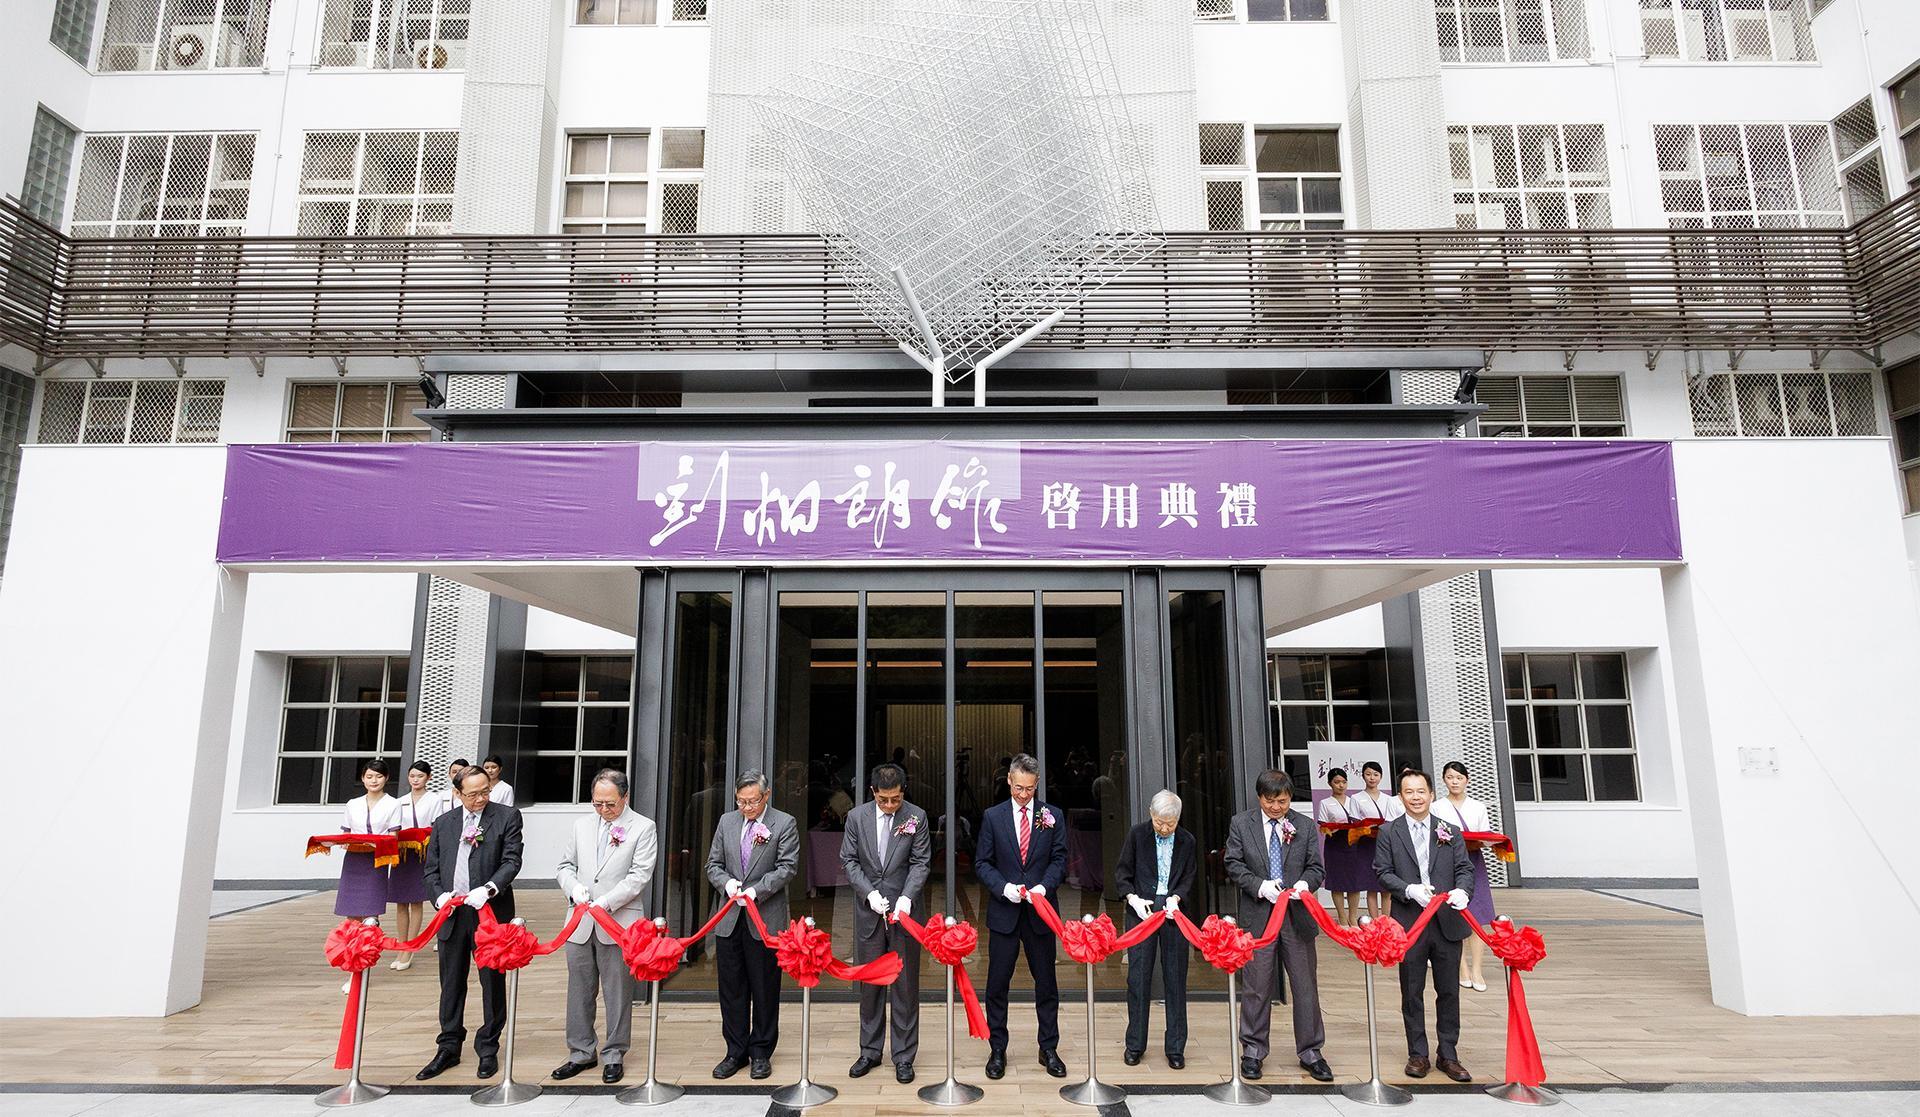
(1173, 903)
(441, 901)
(478, 898)
(1140, 907)
(1011, 892)
(598, 903)
(903, 906)
(1458, 899)
(750, 893)
(1300, 888)
(1270, 891)
(877, 902)
(580, 894)
(733, 888)
(1037, 890)
(1420, 894)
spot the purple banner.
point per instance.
(1227, 501)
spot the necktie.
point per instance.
(606, 838)
(1276, 857)
(462, 883)
(886, 831)
(1026, 832)
(746, 844)
(1419, 833)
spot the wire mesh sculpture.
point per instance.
(972, 166)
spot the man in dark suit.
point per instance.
(754, 854)
(1417, 857)
(1156, 870)
(887, 851)
(1273, 849)
(473, 851)
(1022, 852)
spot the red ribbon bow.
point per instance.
(354, 946)
(503, 946)
(951, 944)
(1519, 948)
(1379, 942)
(803, 952)
(1225, 945)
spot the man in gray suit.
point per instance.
(1268, 847)
(887, 850)
(1417, 856)
(755, 852)
(608, 862)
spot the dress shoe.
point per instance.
(762, 1068)
(1319, 1069)
(441, 1063)
(1176, 1061)
(489, 1066)
(1131, 1057)
(1249, 1069)
(1417, 1066)
(996, 1064)
(1452, 1069)
(728, 1067)
(861, 1066)
(1051, 1060)
(903, 1073)
(570, 1068)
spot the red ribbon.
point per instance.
(1520, 949)
(1090, 941)
(652, 954)
(951, 944)
(803, 952)
(510, 946)
(1354, 830)
(355, 947)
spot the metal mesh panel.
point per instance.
(453, 658)
(1748, 175)
(131, 411)
(478, 392)
(1226, 204)
(1223, 145)
(184, 34)
(377, 183)
(1855, 129)
(1810, 404)
(1397, 130)
(1866, 188)
(394, 34)
(43, 191)
(1510, 30)
(1213, 10)
(61, 404)
(1536, 176)
(1854, 412)
(16, 399)
(1726, 30)
(168, 186)
(1454, 652)
(679, 207)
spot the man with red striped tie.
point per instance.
(1022, 853)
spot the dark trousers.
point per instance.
(1003, 950)
(1442, 956)
(749, 994)
(1170, 949)
(456, 959)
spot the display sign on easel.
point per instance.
(1325, 756)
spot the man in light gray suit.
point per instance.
(755, 852)
(887, 849)
(1273, 849)
(608, 862)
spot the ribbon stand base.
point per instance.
(1092, 1091)
(1519, 1093)
(652, 1091)
(509, 1092)
(1235, 1090)
(952, 1092)
(1374, 1091)
(804, 1093)
(356, 1092)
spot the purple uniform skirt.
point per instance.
(1350, 867)
(408, 882)
(363, 888)
(1480, 906)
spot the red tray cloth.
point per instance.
(384, 847)
(1355, 830)
(413, 839)
(1503, 846)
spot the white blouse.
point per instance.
(1470, 815)
(422, 813)
(502, 794)
(1387, 807)
(379, 818)
(1331, 810)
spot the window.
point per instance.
(1551, 407)
(1906, 120)
(1294, 179)
(147, 185)
(394, 34)
(122, 412)
(49, 164)
(1530, 176)
(1726, 30)
(1809, 404)
(183, 35)
(73, 27)
(1856, 141)
(1320, 698)
(333, 411)
(1748, 176)
(16, 399)
(339, 711)
(1903, 401)
(611, 178)
(377, 183)
(1570, 724)
(1511, 30)
(638, 13)
(581, 707)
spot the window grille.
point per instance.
(183, 35)
(338, 713)
(73, 27)
(612, 179)
(377, 183)
(1552, 407)
(1747, 176)
(1856, 141)
(582, 704)
(1570, 727)
(638, 13)
(1319, 697)
(394, 34)
(124, 412)
(1286, 11)
(1530, 176)
(1511, 30)
(1223, 145)
(1810, 404)
(151, 185)
(1821, 6)
(1213, 11)
(1726, 30)
(1903, 403)
(1226, 204)
(43, 193)
(16, 399)
(1905, 94)
(356, 411)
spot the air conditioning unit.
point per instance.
(124, 57)
(429, 55)
(199, 46)
(343, 55)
